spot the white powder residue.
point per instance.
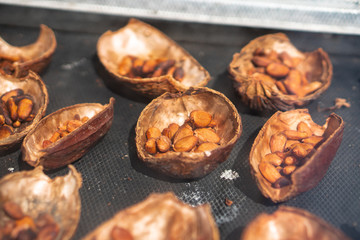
(70, 66)
(229, 174)
(11, 169)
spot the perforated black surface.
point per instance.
(114, 178)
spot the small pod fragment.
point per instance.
(36, 195)
(73, 145)
(161, 217)
(311, 166)
(291, 78)
(17, 61)
(141, 40)
(291, 223)
(176, 108)
(32, 86)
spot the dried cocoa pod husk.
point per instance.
(148, 43)
(291, 223)
(316, 65)
(316, 163)
(74, 145)
(161, 217)
(34, 57)
(33, 86)
(176, 108)
(37, 194)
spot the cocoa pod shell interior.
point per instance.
(260, 95)
(36, 194)
(308, 175)
(161, 216)
(33, 86)
(144, 41)
(175, 108)
(73, 146)
(35, 56)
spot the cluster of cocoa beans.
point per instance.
(289, 150)
(135, 67)
(65, 129)
(280, 68)
(196, 134)
(22, 226)
(15, 109)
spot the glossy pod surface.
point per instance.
(161, 217)
(176, 108)
(144, 41)
(73, 146)
(37, 194)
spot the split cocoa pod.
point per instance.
(270, 73)
(72, 132)
(23, 102)
(159, 216)
(291, 223)
(33, 206)
(291, 153)
(142, 58)
(182, 159)
(17, 61)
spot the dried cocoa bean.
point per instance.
(185, 144)
(207, 135)
(200, 118)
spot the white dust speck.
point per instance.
(229, 174)
(11, 169)
(70, 66)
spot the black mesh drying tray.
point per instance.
(113, 176)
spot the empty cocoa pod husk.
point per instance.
(315, 165)
(176, 108)
(161, 216)
(37, 194)
(75, 144)
(291, 223)
(259, 93)
(147, 42)
(35, 56)
(31, 85)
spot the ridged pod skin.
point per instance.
(142, 40)
(161, 217)
(291, 223)
(73, 146)
(35, 56)
(308, 175)
(36, 193)
(175, 108)
(262, 95)
(33, 86)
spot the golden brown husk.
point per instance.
(161, 217)
(144, 41)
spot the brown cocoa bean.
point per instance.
(261, 61)
(313, 140)
(184, 131)
(295, 135)
(303, 127)
(163, 143)
(207, 135)
(150, 146)
(25, 107)
(185, 144)
(200, 118)
(206, 147)
(272, 158)
(153, 132)
(48, 232)
(301, 150)
(277, 70)
(287, 170)
(277, 142)
(281, 182)
(269, 171)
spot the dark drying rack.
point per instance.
(113, 176)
